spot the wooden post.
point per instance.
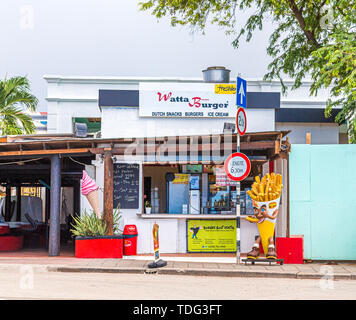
(308, 138)
(108, 191)
(18, 202)
(55, 228)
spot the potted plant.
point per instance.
(148, 207)
(91, 239)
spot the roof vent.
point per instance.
(216, 75)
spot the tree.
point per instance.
(14, 97)
(311, 38)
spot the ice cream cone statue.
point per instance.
(90, 190)
(265, 195)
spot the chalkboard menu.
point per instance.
(126, 185)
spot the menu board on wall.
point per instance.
(126, 185)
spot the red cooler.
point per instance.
(130, 240)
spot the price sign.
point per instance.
(237, 166)
(241, 121)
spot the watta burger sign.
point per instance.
(187, 100)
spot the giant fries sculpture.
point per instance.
(265, 194)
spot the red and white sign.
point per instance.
(241, 121)
(237, 166)
(221, 179)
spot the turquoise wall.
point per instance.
(323, 200)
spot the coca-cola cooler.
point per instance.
(130, 240)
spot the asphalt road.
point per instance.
(23, 283)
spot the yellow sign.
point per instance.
(181, 178)
(211, 235)
(225, 88)
(31, 191)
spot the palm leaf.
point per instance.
(14, 99)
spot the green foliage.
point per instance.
(89, 225)
(14, 97)
(311, 38)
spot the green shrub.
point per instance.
(89, 225)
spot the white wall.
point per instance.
(60, 114)
(321, 133)
(77, 96)
(125, 123)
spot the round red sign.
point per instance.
(237, 166)
(241, 121)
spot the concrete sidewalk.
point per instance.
(196, 266)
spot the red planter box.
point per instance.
(290, 249)
(99, 247)
(10, 242)
(4, 228)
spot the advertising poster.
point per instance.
(181, 178)
(222, 179)
(211, 235)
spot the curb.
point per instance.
(203, 272)
(172, 271)
(317, 276)
(228, 273)
(182, 271)
(95, 270)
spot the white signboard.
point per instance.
(187, 100)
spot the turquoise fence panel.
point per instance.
(323, 200)
(299, 166)
(300, 223)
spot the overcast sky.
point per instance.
(111, 37)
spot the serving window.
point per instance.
(190, 189)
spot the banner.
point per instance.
(155, 241)
(187, 100)
(211, 235)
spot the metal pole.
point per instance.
(238, 220)
(55, 228)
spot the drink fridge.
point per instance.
(194, 194)
(183, 194)
(178, 193)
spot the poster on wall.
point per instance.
(211, 235)
(222, 179)
(182, 100)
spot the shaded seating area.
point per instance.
(54, 165)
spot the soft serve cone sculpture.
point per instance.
(90, 190)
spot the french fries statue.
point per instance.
(265, 194)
